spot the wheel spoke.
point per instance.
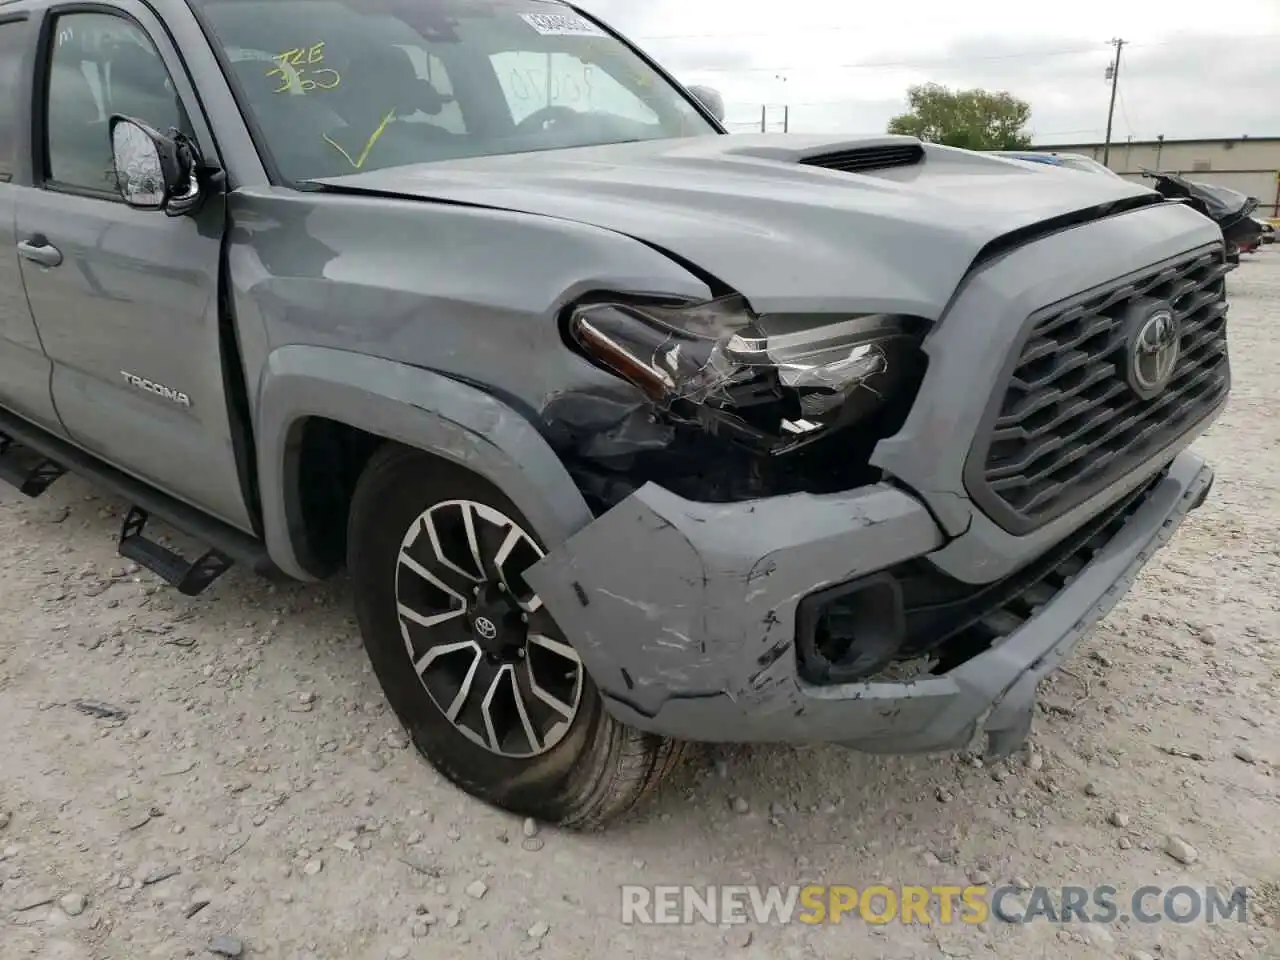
(432, 620)
(419, 570)
(489, 543)
(557, 647)
(534, 743)
(486, 707)
(443, 650)
(473, 541)
(464, 691)
(514, 536)
(565, 710)
(469, 577)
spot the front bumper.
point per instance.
(685, 616)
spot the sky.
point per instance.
(1189, 68)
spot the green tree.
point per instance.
(972, 119)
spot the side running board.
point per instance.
(32, 459)
(31, 472)
(190, 577)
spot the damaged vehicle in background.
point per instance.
(628, 432)
(1071, 161)
(1229, 209)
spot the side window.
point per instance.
(101, 65)
(13, 37)
(533, 80)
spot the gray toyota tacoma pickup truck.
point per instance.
(627, 432)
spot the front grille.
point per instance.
(865, 159)
(1065, 424)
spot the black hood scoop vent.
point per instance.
(866, 159)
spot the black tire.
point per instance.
(599, 769)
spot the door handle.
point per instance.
(43, 253)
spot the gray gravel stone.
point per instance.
(226, 946)
(1180, 850)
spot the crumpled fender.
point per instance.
(416, 407)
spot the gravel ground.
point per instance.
(258, 788)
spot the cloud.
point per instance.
(1186, 71)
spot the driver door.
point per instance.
(126, 300)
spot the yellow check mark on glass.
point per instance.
(358, 162)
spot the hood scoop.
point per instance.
(866, 159)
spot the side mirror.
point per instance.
(154, 171)
(711, 99)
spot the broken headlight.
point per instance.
(777, 381)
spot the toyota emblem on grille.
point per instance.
(1153, 352)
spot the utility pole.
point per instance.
(786, 110)
(1113, 74)
(764, 117)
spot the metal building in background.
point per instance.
(1250, 165)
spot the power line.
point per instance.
(843, 27)
(944, 61)
(1124, 112)
(852, 101)
(883, 64)
(1067, 133)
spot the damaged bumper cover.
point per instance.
(684, 614)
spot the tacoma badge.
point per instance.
(159, 389)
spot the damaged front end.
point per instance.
(719, 404)
(1230, 210)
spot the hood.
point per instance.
(795, 223)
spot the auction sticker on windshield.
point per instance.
(562, 25)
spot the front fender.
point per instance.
(416, 407)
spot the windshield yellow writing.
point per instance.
(358, 162)
(301, 70)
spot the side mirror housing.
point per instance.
(710, 98)
(155, 171)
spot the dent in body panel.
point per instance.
(992, 693)
(669, 597)
(468, 292)
(447, 310)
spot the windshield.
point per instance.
(337, 86)
(1086, 164)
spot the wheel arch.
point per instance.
(371, 400)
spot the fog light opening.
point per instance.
(850, 632)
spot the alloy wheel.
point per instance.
(483, 646)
